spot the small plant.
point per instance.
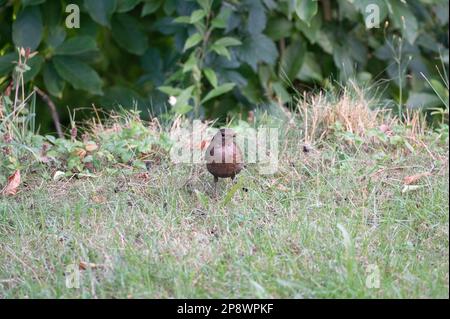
(203, 43)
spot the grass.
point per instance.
(334, 211)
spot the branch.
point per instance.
(53, 110)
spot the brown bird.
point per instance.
(223, 156)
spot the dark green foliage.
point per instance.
(225, 56)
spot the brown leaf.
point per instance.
(13, 184)
(91, 146)
(83, 265)
(99, 199)
(81, 153)
(408, 180)
(143, 175)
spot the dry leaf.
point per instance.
(58, 175)
(83, 265)
(90, 146)
(408, 180)
(410, 188)
(99, 199)
(143, 175)
(81, 153)
(13, 184)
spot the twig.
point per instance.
(53, 110)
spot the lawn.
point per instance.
(345, 216)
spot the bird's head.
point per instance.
(227, 133)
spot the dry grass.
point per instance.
(354, 113)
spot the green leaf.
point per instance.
(310, 70)
(221, 50)
(342, 59)
(292, 60)
(123, 96)
(197, 15)
(35, 65)
(77, 45)
(220, 21)
(126, 5)
(404, 20)
(279, 28)
(128, 34)
(56, 36)
(257, 19)
(281, 92)
(229, 196)
(224, 88)
(6, 63)
(423, 100)
(205, 4)
(170, 90)
(78, 74)
(101, 10)
(182, 19)
(31, 2)
(211, 76)
(190, 64)
(311, 30)
(306, 9)
(52, 14)
(182, 105)
(257, 48)
(193, 40)
(169, 6)
(27, 29)
(150, 6)
(228, 41)
(53, 82)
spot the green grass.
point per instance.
(168, 236)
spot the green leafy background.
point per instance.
(223, 58)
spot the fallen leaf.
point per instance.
(81, 153)
(408, 180)
(58, 175)
(410, 188)
(143, 175)
(99, 199)
(83, 265)
(13, 184)
(90, 146)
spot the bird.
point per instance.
(223, 156)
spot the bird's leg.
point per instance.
(216, 179)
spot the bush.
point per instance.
(220, 58)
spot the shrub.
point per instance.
(225, 57)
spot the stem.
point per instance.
(400, 101)
(53, 110)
